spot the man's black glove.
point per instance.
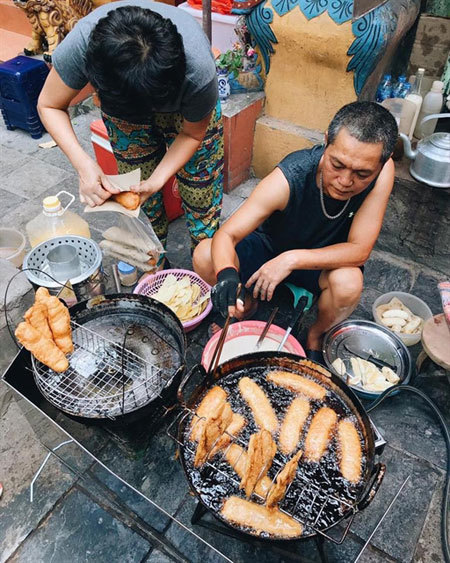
(223, 294)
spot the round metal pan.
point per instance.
(149, 330)
(367, 340)
(212, 485)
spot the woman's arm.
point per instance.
(53, 106)
(180, 151)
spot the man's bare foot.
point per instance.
(315, 356)
(314, 341)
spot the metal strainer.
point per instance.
(87, 284)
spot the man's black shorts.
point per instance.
(253, 252)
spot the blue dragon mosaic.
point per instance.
(372, 32)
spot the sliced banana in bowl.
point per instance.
(402, 313)
(366, 374)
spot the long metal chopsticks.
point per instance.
(266, 328)
(218, 349)
(223, 335)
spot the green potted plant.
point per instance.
(231, 61)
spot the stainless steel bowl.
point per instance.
(365, 338)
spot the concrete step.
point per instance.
(11, 44)
(275, 138)
(13, 18)
(15, 30)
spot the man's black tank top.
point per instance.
(302, 224)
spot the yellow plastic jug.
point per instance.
(55, 220)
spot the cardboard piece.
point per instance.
(122, 182)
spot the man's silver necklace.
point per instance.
(322, 202)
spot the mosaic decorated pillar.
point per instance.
(315, 59)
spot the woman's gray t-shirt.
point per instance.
(199, 92)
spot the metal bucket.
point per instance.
(87, 284)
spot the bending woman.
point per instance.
(154, 73)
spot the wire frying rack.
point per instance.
(305, 501)
(104, 378)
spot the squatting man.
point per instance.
(313, 221)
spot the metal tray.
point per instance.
(364, 338)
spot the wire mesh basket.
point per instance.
(104, 379)
(151, 284)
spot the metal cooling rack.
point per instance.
(104, 379)
(319, 500)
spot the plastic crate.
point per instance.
(21, 81)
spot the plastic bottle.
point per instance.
(127, 274)
(396, 107)
(398, 86)
(416, 98)
(55, 220)
(384, 89)
(405, 90)
(432, 103)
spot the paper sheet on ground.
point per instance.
(122, 182)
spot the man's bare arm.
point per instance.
(363, 234)
(271, 194)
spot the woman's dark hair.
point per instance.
(135, 60)
(368, 122)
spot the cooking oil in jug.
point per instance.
(55, 220)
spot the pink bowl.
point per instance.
(246, 328)
(151, 283)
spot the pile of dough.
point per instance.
(137, 251)
(46, 332)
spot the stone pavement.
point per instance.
(83, 513)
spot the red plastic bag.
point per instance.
(217, 6)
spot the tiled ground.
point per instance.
(86, 514)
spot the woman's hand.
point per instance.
(95, 188)
(147, 188)
(269, 276)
